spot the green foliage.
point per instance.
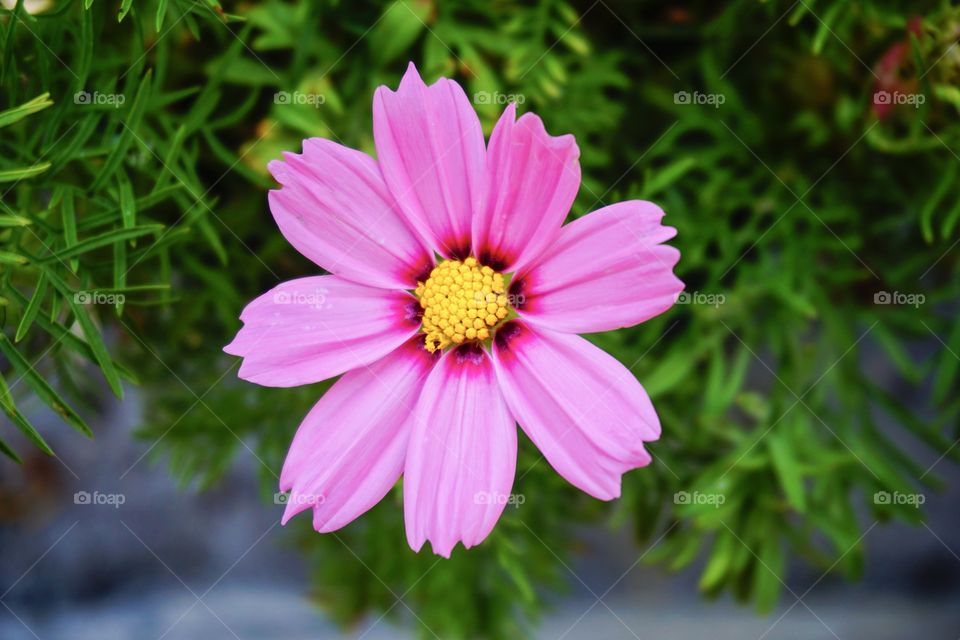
(134, 141)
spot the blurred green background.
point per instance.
(807, 153)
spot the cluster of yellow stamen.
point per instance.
(461, 301)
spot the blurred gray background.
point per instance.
(175, 565)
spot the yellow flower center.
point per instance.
(461, 301)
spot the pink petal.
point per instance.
(584, 410)
(532, 179)
(606, 270)
(350, 449)
(431, 152)
(311, 329)
(462, 455)
(336, 210)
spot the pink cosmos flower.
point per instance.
(452, 309)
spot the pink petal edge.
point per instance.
(607, 270)
(336, 210)
(581, 407)
(431, 151)
(531, 181)
(314, 328)
(350, 449)
(462, 455)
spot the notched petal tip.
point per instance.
(566, 142)
(414, 541)
(231, 348)
(437, 549)
(412, 71)
(442, 550)
(350, 449)
(614, 258)
(411, 79)
(669, 233)
(532, 179)
(613, 491)
(462, 450)
(279, 170)
(293, 508)
(335, 209)
(582, 408)
(283, 170)
(309, 329)
(430, 148)
(318, 145)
